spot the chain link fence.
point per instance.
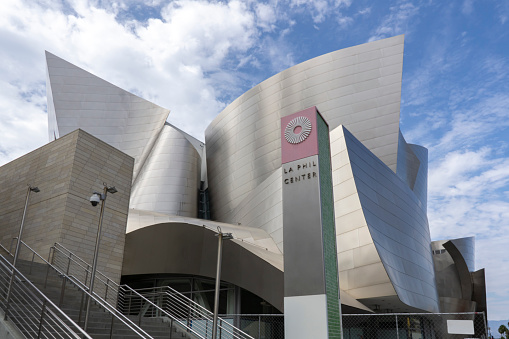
(266, 326)
(377, 326)
(415, 326)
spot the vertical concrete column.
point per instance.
(311, 287)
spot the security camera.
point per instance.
(95, 198)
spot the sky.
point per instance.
(195, 57)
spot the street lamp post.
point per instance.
(18, 245)
(220, 236)
(94, 200)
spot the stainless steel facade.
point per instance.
(384, 247)
(79, 99)
(359, 87)
(383, 232)
(170, 178)
(460, 287)
(379, 180)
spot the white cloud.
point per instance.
(344, 21)
(21, 117)
(320, 9)
(467, 7)
(396, 22)
(365, 11)
(178, 60)
(266, 16)
(172, 61)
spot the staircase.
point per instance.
(116, 311)
(72, 301)
(28, 309)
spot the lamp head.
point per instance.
(111, 189)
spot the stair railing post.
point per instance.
(41, 319)
(50, 260)
(16, 252)
(64, 280)
(83, 295)
(111, 328)
(106, 292)
(129, 307)
(32, 263)
(86, 274)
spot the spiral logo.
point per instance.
(297, 130)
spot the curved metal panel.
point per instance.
(79, 99)
(397, 225)
(188, 249)
(462, 268)
(170, 178)
(466, 246)
(262, 208)
(446, 274)
(413, 169)
(359, 87)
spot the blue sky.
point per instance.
(194, 57)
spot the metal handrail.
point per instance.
(101, 302)
(120, 316)
(182, 321)
(25, 301)
(6, 250)
(109, 284)
(177, 305)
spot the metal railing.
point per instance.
(158, 302)
(30, 310)
(71, 264)
(166, 301)
(266, 326)
(117, 316)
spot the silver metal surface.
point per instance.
(304, 262)
(380, 181)
(252, 269)
(167, 169)
(170, 179)
(413, 168)
(81, 100)
(358, 87)
(459, 287)
(382, 228)
(466, 246)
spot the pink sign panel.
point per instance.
(299, 137)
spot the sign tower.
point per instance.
(311, 287)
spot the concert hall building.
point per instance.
(184, 190)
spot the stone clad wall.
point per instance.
(67, 171)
